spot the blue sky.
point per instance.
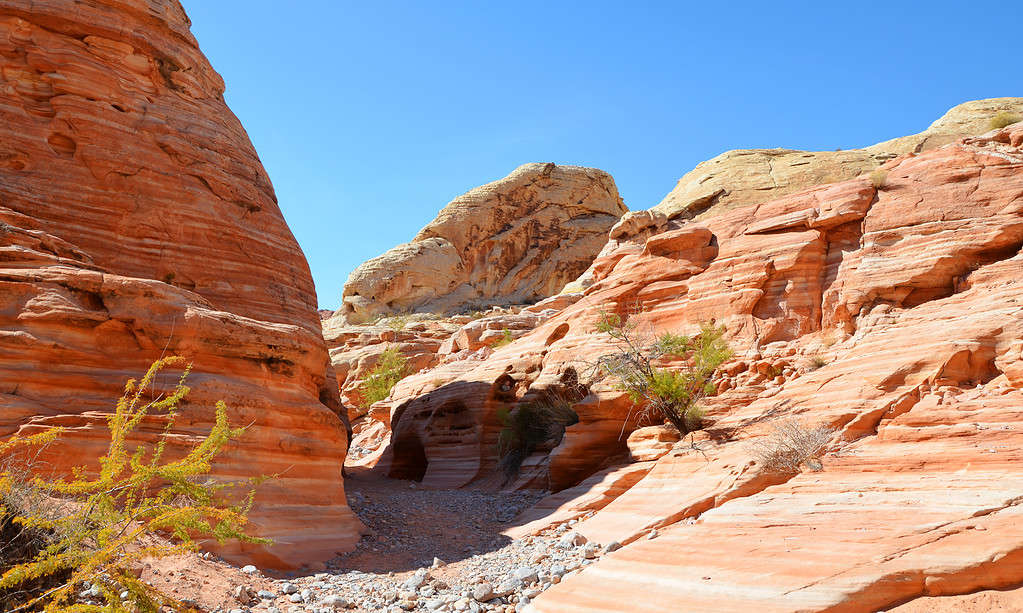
(371, 116)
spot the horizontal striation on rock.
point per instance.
(136, 221)
(889, 312)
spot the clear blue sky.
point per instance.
(371, 116)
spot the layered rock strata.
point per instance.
(136, 221)
(745, 177)
(887, 311)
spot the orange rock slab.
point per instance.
(137, 221)
(921, 494)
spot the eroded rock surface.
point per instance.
(516, 240)
(890, 314)
(746, 177)
(893, 317)
(136, 221)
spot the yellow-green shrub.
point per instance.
(390, 368)
(106, 519)
(672, 394)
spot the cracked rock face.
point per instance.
(745, 177)
(136, 220)
(512, 241)
(891, 315)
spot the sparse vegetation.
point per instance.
(791, 446)
(529, 426)
(390, 368)
(506, 339)
(398, 322)
(1002, 119)
(818, 362)
(672, 395)
(94, 526)
(879, 178)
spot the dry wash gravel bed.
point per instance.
(428, 550)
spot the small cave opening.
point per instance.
(409, 460)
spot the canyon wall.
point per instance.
(890, 314)
(885, 307)
(137, 221)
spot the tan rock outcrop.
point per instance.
(137, 222)
(515, 240)
(744, 177)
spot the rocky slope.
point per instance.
(515, 240)
(745, 177)
(888, 310)
(137, 221)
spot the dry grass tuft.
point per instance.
(1002, 119)
(791, 446)
(879, 178)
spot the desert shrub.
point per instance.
(818, 362)
(91, 528)
(530, 425)
(1002, 119)
(669, 394)
(506, 338)
(791, 445)
(390, 368)
(879, 179)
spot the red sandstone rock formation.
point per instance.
(911, 299)
(890, 314)
(137, 221)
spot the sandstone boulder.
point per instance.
(136, 221)
(516, 240)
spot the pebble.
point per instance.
(525, 574)
(572, 539)
(336, 602)
(483, 592)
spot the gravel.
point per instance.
(436, 551)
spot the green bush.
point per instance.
(94, 526)
(672, 394)
(390, 368)
(530, 425)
